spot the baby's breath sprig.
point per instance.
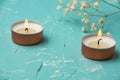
(83, 6)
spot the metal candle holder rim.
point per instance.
(29, 21)
(97, 48)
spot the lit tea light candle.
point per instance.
(27, 32)
(98, 42)
(98, 47)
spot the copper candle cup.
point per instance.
(27, 39)
(98, 53)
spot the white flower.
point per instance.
(96, 5)
(83, 19)
(85, 14)
(79, 14)
(61, 1)
(89, 4)
(66, 10)
(82, 8)
(108, 34)
(74, 2)
(59, 7)
(83, 4)
(93, 27)
(84, 29)
(72, 7)
(87, 21)
(100, 20)
(68, 5)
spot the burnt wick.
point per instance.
(99, 41)
(26, 29)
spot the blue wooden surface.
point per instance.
(59, 56)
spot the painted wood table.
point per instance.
(58, 56)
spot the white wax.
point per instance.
(33, 25)
(108, 40)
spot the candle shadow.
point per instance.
(43, 42)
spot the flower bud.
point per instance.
(84, 29)
(100, 20)
(82, 8)
(96, 5)
(72, 7)
(66, 10)
(83, 4)
(85, 14)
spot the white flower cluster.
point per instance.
(81, 6)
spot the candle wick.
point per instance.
(26, 29)
(99, 41)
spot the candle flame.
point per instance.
(99, 33)
(26, 23)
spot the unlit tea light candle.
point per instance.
(27, 32)
(98, 48)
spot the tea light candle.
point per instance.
(98, 48)
(27, 32)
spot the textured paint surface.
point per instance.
(59, 56)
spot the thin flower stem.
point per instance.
(91, 11)
(91, 14)
(114, 13)
(97, 10)
(110, 4)
(100, 11)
